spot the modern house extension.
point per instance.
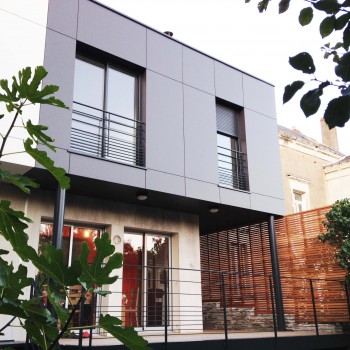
(164, 146)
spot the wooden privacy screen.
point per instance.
(243, 254)
(302, 255)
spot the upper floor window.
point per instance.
(231, 160)
(106, 121)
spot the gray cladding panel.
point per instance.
(164, 55)
(106, 171)
(235, 198)
(63, 16)
(267, 204)
(202, 190)
(263, 155)
(259, 96)
(201, 159)
(164, 124)
(59, 62)
(198, 70)
(163, 182)
(228, 83)
(111, 32)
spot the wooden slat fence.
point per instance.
(244, 255)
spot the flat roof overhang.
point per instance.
(228, 216)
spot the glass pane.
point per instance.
(88, 235)
(121, 105)
(132, 279)
(87, 121)
(45, 236)
(88, 84)
(157, 259)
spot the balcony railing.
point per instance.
(173, 300)
(232, 169)
(102, 134)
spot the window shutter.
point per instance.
(227, 120)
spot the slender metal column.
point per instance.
(276, 275)
(58, 219)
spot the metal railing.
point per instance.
(102, 134)
(232, 169)
(173, 300)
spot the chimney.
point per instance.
(329, 136)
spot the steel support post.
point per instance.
(58, 219)
(276, 275)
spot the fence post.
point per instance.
(314, 306)
(165, 310)
(347, 295)
(224, 306)
(273, 308)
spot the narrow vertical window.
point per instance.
(231, 160)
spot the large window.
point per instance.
(231, 160)
(106, 121)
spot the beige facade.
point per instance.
(314, 174)
(116, 219)
(337, 176)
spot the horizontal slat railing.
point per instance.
(102, 134)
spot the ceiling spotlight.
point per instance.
(213, 209)
(142, 195)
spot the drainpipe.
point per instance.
(58, 218)
(281, 325)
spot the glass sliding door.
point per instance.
(145, 279)
(72, 240)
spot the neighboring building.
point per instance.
(163, 144)
(314, 174)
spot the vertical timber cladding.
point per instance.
(243, 254)
(302, 255)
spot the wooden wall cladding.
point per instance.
(243, 255)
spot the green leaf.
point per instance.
(57, 300)
(128, 336)
(12, 283)
(328, 6)
(327, 26)
(345, 91)
(337, 112)
(262, 5)
(283, 6)
(22, 182)
(12, 310)
(304, 62)
(98, 272)
(37, 313)
(30, 90)
(52, 264)
(36, 133)
(290, 90)
(346, 37)
(40, 333)
(341, 21)
(42, 158)
(13, 225)
(342, 69)
(310, 102)
(306, 16)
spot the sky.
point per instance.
(237, 34)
